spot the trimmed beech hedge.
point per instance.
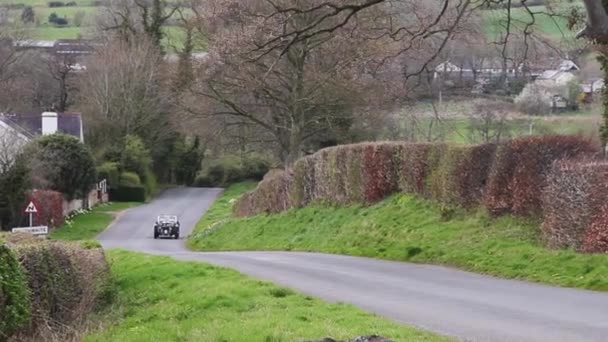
(518, 174)
(128, 194)
(574, 202)
(65, 281)
(554, 176)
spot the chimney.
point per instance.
(49, 123)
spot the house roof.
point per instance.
(31, 124)
(75, 47)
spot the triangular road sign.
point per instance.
(31, 208)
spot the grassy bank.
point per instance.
(160, 299)
(88, 225)
(405, 228)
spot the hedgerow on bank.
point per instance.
(521, 167)
(63, 283)
(517, 177)
(14, 296)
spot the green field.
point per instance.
(160, 299)
(553, 27)
(543, 24)
(88, 225)
(405, 228)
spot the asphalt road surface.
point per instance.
(468, 306)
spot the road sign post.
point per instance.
(31, 209)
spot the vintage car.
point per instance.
(166, 226)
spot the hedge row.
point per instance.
(14, 297)
(50, 208)
(574, 203)
(507, 179)
(65, 283)
(519, 172)
(128, 194)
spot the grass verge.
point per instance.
(405, 228)
(88, 225)
(160, 299)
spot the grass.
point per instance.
(89, 225)
(406, 228)
(160, 299)
(553, 27)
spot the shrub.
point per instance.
(270, 196)
(64, 282)
(203, 181)
(128, 194)
(379, 176)
(109, 171)
(231, 169)
(533, 100)
(50, 208)
(462, 174)
(519, 171)
(14, 183)
(255, 167)
(129, 179)
(14, 296)
(135, 157)
(575, 191)
(56, 4)
(412, 167)
(150, 182)
(596, 237)
(62, 163)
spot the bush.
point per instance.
(109, 171)
(596, 237)
(519, 173)
(50, 208)
(128, 194)
(53, 4)
(62, 163)
(135, 157)
(150, 182)
(14, 296)
(231, 169)
(14, 184)
(270, 196)
(533, 100)
(379, 176)
(574, 192)
(462, 174)
(412, 167)
(64, 281)
(129, 179)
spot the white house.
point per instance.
(32, 125)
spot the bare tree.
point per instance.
(11, 143)
(293, 99)
(132, 18)
(488, 122)
(122, 92)
(62, 70)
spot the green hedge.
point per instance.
(231, 169)
(109, 171)
(128, 194)
(14, 296)
(129, 179)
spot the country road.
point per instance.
(468, 306)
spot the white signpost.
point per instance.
(40, 230)
(31, 209)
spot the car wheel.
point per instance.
(155, 235)
(177, 236)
